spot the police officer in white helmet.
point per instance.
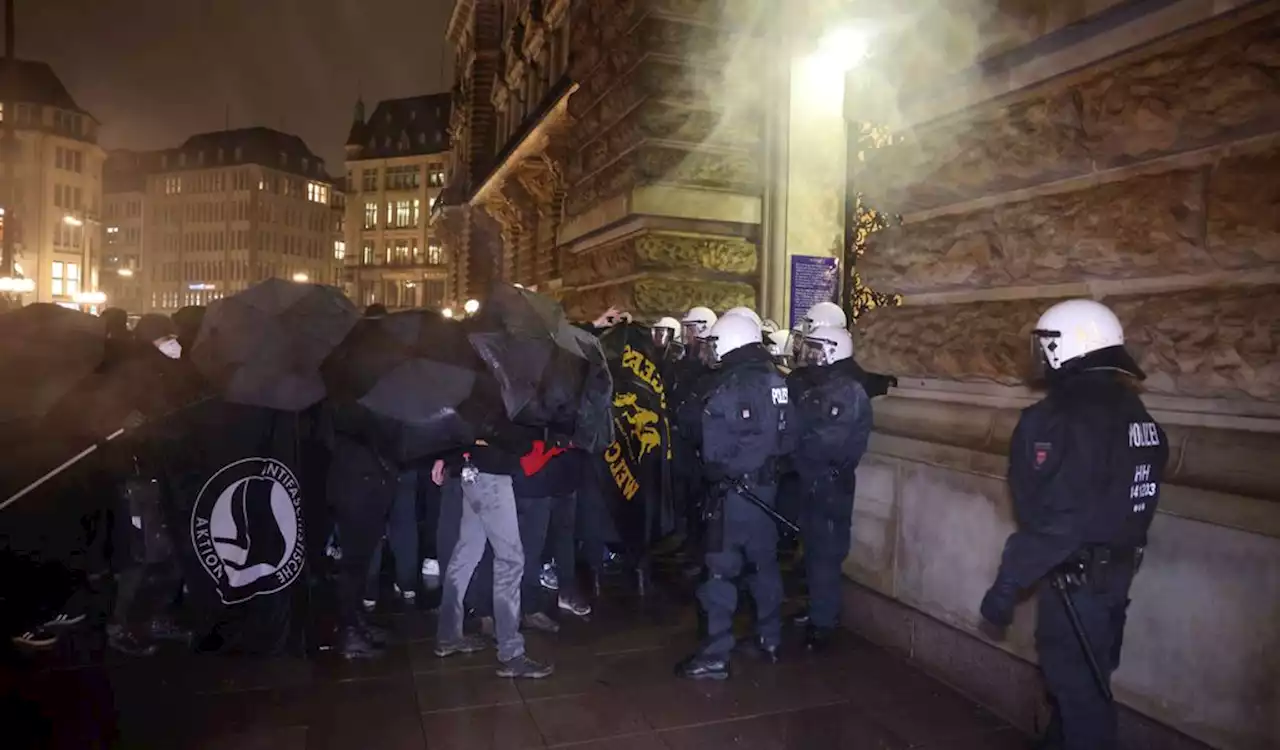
(1085, 471)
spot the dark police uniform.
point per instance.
(744, 431)
(686, 378)
(1085, 467)
(833, 425)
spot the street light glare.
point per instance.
(301, 278)
(72, 221)
(125, 272)
(447, 312)
(471, 306)
(843, 48)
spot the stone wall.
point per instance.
(664, 174)
(1150, 180)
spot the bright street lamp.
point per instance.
(471, 306)
(447, 312)
(301, 278)
(11, 285)
(90, 298)
(126, 272)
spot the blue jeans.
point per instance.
(402, 537)
(488, 516)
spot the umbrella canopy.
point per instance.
(264, 346)
(45, 351)
(551, 373)
(410, 384)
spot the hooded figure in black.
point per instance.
(1085, 468)
(833, 425)
(742, 433)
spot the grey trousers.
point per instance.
(488, 515)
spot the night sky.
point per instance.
(155, 71)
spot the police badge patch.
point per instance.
(1041, 454)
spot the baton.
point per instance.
(777, 517)
(1059, 583)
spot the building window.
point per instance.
(339, 250)
(403, 178)
(399, 253)
(435, 254)
(172, 185)
(366, 253)
(435, 178)
(370, 215)
(318, 192)
(65, 278)
(406, 213)
(370, 180)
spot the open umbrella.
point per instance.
(45, 352)
(551, 374)
(264, 346)
(410, 384)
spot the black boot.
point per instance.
(376, 636)
(355, 645)
(699, 667)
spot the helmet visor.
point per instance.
(662, 336)
(1042, 360)
(812, 352)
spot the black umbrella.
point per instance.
(264, 346)
(551, 374)
(410, 384)
(45, 352)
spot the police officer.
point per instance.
(1085, 467)
(833, 424)
(683, 378)
(744, 432)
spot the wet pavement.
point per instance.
(613, 688)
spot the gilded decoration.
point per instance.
(1218, 90)
(660, 251)
(653, 298)
(1210, 343)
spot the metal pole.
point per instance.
(7, 147)
(1059, 584)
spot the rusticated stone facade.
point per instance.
(1203, 342)
(1215, 91)
(1148, 178)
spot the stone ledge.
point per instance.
(1008, 686)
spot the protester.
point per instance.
(545, 490)
(482, 474)
(402, 539)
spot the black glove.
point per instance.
(997, 605)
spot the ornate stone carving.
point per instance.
(653, 297)
(1217, 90)
(662, 252)
(674, 251)
(1244, 210)
(1140, 227)
(1220, 343)
(726, 170)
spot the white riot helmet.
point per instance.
(732, 332)
(1076, 328)
(780, 343)
(768, 326)
(824, 314)
(697, 323)
(826, 345)
(745, 312)
(665, 332)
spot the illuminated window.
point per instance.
(339, 250)
(65, 278)
(435, 254)
(406, 213)
(318, 192)
(435, 178)
(399, 253)
(414, 212)
(370, 181)
(366, 253)
(370, 215)
(403, 178)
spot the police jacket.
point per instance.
(1085, 466)
(832, 419)
(746, 415)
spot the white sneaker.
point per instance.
(369, 604)
(64, 620)
(408, 596)
(430, 568)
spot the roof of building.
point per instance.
(36, 83)
(402, 127)
(257, 145)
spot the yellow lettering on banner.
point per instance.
(622, 475)
(646, 370)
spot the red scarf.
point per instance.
(534, 461)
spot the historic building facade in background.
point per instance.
(608, 153)
(222, 211)
(397, 164)
(56, 188)
(124, 197)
